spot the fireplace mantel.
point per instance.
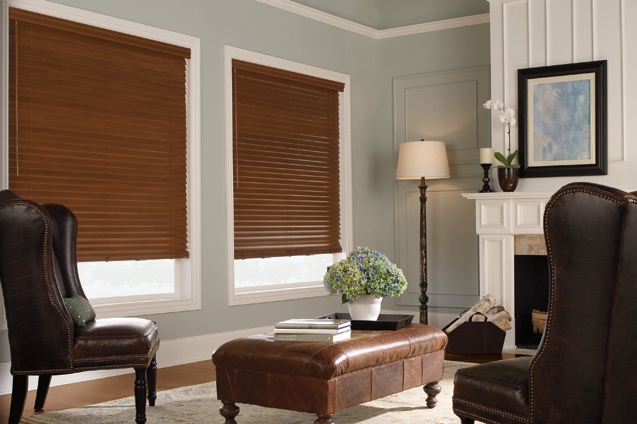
(499, 218)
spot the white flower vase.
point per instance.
(364, 308)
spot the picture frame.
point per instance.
(563, 120)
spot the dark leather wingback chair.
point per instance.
(38, 269)
(585, 369)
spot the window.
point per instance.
(289, 158)
(100, 120)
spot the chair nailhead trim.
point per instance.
(547, 332)
(486, 409)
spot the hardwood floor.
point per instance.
(105, 389)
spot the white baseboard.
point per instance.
(182, 351)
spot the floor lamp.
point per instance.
(420, 160)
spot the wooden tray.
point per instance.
(384, 321)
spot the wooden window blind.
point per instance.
(286, 163)
(97, 122)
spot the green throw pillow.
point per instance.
(80, 310)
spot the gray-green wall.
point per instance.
(372, 65)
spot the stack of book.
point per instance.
(313, 330)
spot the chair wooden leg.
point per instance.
(18, 396)
(44, 381)
(140, 395)
(151, 377)
(466, 420)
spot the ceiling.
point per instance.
(386, 14)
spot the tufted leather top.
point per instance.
(328, 360)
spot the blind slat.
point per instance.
(98, 123)
(286, 163)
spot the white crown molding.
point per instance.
(319, 16)
(434, 26)
(354, 27)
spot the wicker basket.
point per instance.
(538, 318)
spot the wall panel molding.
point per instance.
(452, 264)
(444, 106)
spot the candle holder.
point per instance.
(486, 188)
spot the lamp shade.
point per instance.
(417, 159)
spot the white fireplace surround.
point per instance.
(499, 218)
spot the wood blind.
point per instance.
(286, 163)
(97, 122)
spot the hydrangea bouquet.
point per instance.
(364, 271)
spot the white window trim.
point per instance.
(292, 291)
(188, 295)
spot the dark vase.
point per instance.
(508, 178)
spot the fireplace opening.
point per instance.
(531, 287)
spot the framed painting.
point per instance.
(562, 129)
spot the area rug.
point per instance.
(199, 404)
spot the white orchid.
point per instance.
(493, 104)
(507, 117)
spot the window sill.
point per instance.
(146, 307)
(273, 294)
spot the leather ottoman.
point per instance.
(323, 377)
